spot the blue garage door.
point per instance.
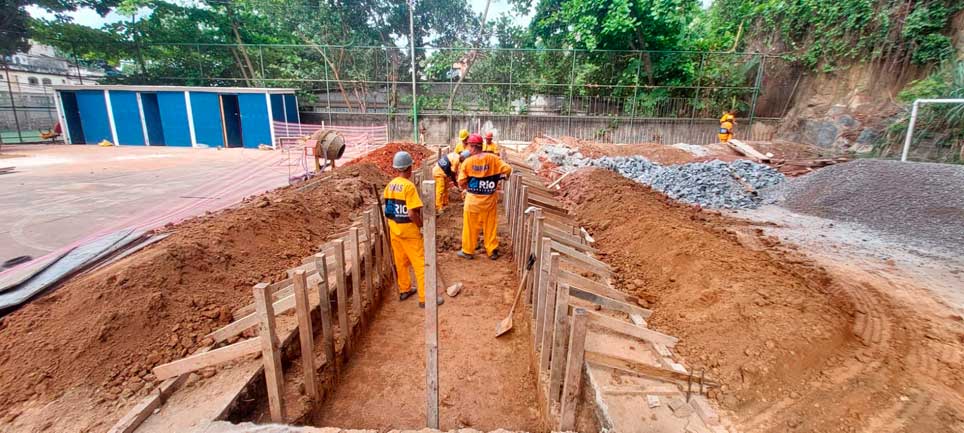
(291, 107)
(127, 118)
(255, 126)
(174, 118)
(93, 116)
(206, 110)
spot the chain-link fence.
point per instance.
(617, 96)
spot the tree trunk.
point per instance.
(334, 70)
(647, 60)
(237, 37)
(471, 59)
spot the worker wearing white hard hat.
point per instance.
(403, 209)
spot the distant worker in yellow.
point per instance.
(403, 209)
(490, 146)
(447, 169)
(463, 135)
(727, 122)
(479, 176)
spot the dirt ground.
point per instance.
(798, 347)
(484, 382)
(87, 348)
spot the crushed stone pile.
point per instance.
(712, 184)
(922, 203)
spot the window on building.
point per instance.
(47, 81)
(32, 80)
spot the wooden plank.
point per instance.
(609, 303)
(546, 201)
(581, 257)
(341, 295)
(539, 293)
(625, 365)
(632, 330)
(143, 410)
(568, 240)
(306, 335)
(596, 287)
(573, 374)
(207, 359)
(358, 303)
(369, 254)
(545, 339)
(379, 256)
(324, 309)
(534, 283)
(431, 309)
(747, 150)
(273, 375)
(560, 334)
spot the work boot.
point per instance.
(494, 255)
(438, 301)
(480, 246)
(405, 295)
(465, 256)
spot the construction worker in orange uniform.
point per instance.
(727, 122)
(446, 170)
(479, 176)
(461, 147)
(490, 146)
(403, 209)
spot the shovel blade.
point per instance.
(504, 326)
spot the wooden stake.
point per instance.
(545, 339)
(538, 277)
(539, 294)
(379, 266)
(560, 334)
(324, 308)
(273, 375)
(431, 308)
(341, 294)
(369, 256)
(358, 303)
(305, 334)
(573, 376)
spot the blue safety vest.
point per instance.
(446, 166)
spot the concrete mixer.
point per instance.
(327, 145)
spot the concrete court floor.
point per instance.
(62, 194)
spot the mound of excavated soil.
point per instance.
(104, 331)
(796, 349)
(382, 157)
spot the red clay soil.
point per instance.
(796, 348)
(382, 157)
(102, 332)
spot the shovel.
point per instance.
(506, 324)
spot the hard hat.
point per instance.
(402, 160)
(463, 134)
(475, 139)
(488, 135)
(465, 154)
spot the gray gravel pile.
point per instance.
(920, 202)
(711, 184)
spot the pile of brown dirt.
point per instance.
(104, 331)
(796, 349)
(382, 157)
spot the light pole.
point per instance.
(411, 42)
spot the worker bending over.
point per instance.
(445, 170)
(490, 146)
(479, 176)
(727, 122)
(403, 209)
(461, 147)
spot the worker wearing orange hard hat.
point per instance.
(490, 146)
(403, 210)
(463, 136)
(479, 176)
(727, 122)
(446, 170)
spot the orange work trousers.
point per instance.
(473, 222)
(441, 192)
(409, 253)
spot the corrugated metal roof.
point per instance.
(176, 88)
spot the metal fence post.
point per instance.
(13, 102)
(327, 86)
(756, 92)
(572, 83)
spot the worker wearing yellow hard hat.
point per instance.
(446, 170)
(463, 135)
(490, 146)
(727, 122)
(479, 176)
(403, 209)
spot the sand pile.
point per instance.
(382, 157)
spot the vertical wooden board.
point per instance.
(545, 340)
(537, 243)
(324, 309)
(369, 257)
(273, 375)
(539, 295)
(358, 303)
(573, 375)
(379, 266)
(341, 294)
(305, 334)
(560, 335)
(431, 309)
